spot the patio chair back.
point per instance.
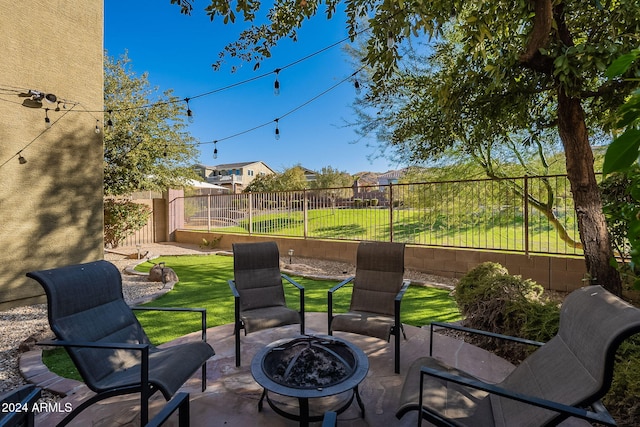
(86, 304)
(378, 278)
(576, 366)
(257, 275)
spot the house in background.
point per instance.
(391, 177)
(234, 176)
(309, 174)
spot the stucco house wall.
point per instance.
(51, 210)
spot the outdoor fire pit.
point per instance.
(307, 367)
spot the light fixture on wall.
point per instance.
(35, 98)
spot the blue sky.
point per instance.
(177, 51)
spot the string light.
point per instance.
(391, 40)
(276, 84)
(215, 149)
(97, 129)
(21, 159)
(110, 122)
(189, 112)
(277, 130)
(47, 120)
(358, 88)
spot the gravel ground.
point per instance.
(21, 326)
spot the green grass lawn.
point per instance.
(413, 226)
(203, 283)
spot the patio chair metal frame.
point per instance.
(364, 249)
(269, 250)
(110, 282)
(20, 402)
(587, 407)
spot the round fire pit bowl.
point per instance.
(307, 367)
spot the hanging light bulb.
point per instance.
(276, 84)
(97, 129)
(391, 40)
(58, 106)
(215, 149)
(110, 122)
(21, 159)
(358, 88)
(277, 131)
(165, 151)
(47, 120)
(189, 112)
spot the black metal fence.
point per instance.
(523, 214)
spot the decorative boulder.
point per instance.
(159, 273)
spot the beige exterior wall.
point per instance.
(556, 273)
(51, 207)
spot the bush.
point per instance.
(123, 218)
(492, 300)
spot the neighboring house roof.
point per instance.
(224, 166)
(201, 184)
(395, 174)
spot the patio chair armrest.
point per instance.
(21, 410)
(478, 332)
(92, 344)
(293, 282)
(602, 417)
(202, 311)
(403, 289)
(180, 403)
(234, 290)
(341, 284)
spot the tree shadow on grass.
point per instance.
(340, 231)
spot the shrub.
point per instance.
(492, 300)
(123, 218)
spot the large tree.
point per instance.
(508, 56)
(146, 146)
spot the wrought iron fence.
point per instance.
(525, 214)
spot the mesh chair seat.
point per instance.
(258, 291)
(378, 288)
(90, 318)
(571, 371)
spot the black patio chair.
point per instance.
(18, 406)
(258, 291)
(378, 288)
(90, 319)
(564, 378)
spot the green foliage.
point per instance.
(122, 218)
(492, 300)
(622, 156)
(622, 399)
(148, 147)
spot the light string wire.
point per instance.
(38, 136)
(293, 110)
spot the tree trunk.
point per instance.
(586, 194)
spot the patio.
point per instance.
(232, 395)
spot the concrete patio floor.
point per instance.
(232, 395)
